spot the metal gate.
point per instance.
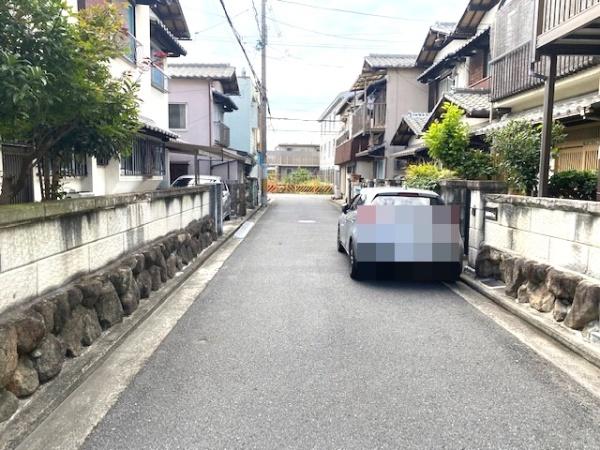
(12, 161)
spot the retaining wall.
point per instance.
(44, 245)
(562, 233)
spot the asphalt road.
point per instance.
(284, 350)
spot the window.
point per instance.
(404, 200)
(178, 116)
(130, 32)
(158, 76)
(147, 158)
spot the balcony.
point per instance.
(221, 134)
(568, 27)
(347, 151)
(342, 138)
(130, 46)
(160, 80)
(369, 118)
(511, 71)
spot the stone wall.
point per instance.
(561, 233)
(45, 245)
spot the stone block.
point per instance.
(498, 236)
(24, 381)
(17, 285)
(8, 404)
(105, 250)
(58, 269)
(593, 263)
(563, 284)
(585, 305)
(108, 307)
(30, 328)
(48, 358)
(515, 216)
(555, 223)
(8, 352)
(587, 229)
(568, 254)
(531, 245)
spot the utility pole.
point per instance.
(263, 107)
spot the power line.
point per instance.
(221, 22)
(239, 40)
(303, 120)
(337, 36)
(347, 11)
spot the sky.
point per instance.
(313, 54)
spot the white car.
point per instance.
(190, 180)
(405, 232)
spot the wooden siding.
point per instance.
(556, 12)
(510, 72)
(580, 151)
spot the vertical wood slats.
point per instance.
(557, 12)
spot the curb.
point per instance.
(75, 371)
(568, 338)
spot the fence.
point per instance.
(283, 188)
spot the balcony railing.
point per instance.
(368, 118)
(221, 135)
(342, 138)
(160, 80)
(511, 74)
(568, 26)
(130, 44)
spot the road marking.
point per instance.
(244, 230)
(68, 426)
(307, 221)
(574, 366)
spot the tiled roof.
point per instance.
(575, 106)
(150, 125)
(221, 72)
(473, 101)
(198, 70)
(177, 47)
(376, 61)
(416, 121)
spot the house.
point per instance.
(383, 93)
(287, 158)
(574, 74)
(199, 99)
(153, 30)
(330, 130)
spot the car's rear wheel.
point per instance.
(340, 247)
(354, 264)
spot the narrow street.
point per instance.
(284, 350)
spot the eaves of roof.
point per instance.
(451, 58)
(160, 33)
(474, 102)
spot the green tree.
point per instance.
(517, 148)
(299, 176)
(56, 89)
(448, 142)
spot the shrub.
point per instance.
(574, 184)
(517, 148)
(298, 176)
(426, 176)
(448, 143)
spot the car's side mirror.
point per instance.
(345, 208)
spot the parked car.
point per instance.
(190, 180)
(407, 233)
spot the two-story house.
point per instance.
(287, 158)
(383, 93)
(331, 126)
(152, 30)
(199, 99)
(565, 31)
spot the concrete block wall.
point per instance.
(44, 245)
(563, 233)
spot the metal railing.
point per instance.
(342, 138)
(160, 80)
(221, 134)
(147, 158)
